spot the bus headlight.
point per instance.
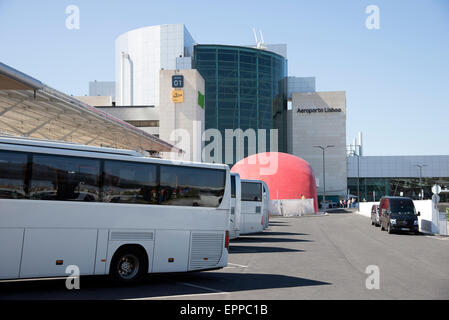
(393, 221)
(415, 222)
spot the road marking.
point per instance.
(201, 287)
(213, 291)
(180, 296)
(438, 238)
(237, 265)
(32, 279)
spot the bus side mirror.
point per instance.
(419, 213)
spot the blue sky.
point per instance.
(396, 78)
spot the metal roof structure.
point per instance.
(29, 108)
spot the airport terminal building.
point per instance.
(409, 176)
(240, 87)
(228, 87)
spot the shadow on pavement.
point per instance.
(267, 239)
(257, 249)
(100, 288)
(276, 233)
(232, 282)
(275, 224)
(341, 210)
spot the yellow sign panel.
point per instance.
(177, 96)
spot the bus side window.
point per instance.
(232, 186)
(190, 186)
(64, 178)
(130, 182)
(13, 167)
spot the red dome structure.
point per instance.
(287, 176)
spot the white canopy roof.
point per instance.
(29, 108)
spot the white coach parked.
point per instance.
(252, 207)
(236, 206)
(266, 204)
(108, 211)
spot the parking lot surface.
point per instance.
(318, 257)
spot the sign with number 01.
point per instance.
(177, 81)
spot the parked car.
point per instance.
(375, 215)
(326, 205)
(398, 214)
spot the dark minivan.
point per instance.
(398, 214)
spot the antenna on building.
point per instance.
(357, 145)
(255, 36)
(261, 38)
(259, 44)
(360, 144)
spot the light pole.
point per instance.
(420, 166)
(358, 179)
(324, 174)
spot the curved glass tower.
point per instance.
(246, 88)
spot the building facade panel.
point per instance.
(143, 117)
(280, 49)
(411, 176)
(186, 116)
(139, 56)
(399, 166)
(319, 119)
(301, 84)
(102, 88)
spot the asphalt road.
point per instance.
(321, 257)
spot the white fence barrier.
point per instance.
(291, 207)
(365, 208)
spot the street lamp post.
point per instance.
(420, 166)
(358, 179)
(324, 174)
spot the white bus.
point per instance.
(266, 201)
(234, 229)
(252, 207)
(108, 211)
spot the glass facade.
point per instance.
(246, 88)
(372, 189)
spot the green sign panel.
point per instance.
(201, 100)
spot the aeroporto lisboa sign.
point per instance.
(318, 110)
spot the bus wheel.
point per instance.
(128, 265)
